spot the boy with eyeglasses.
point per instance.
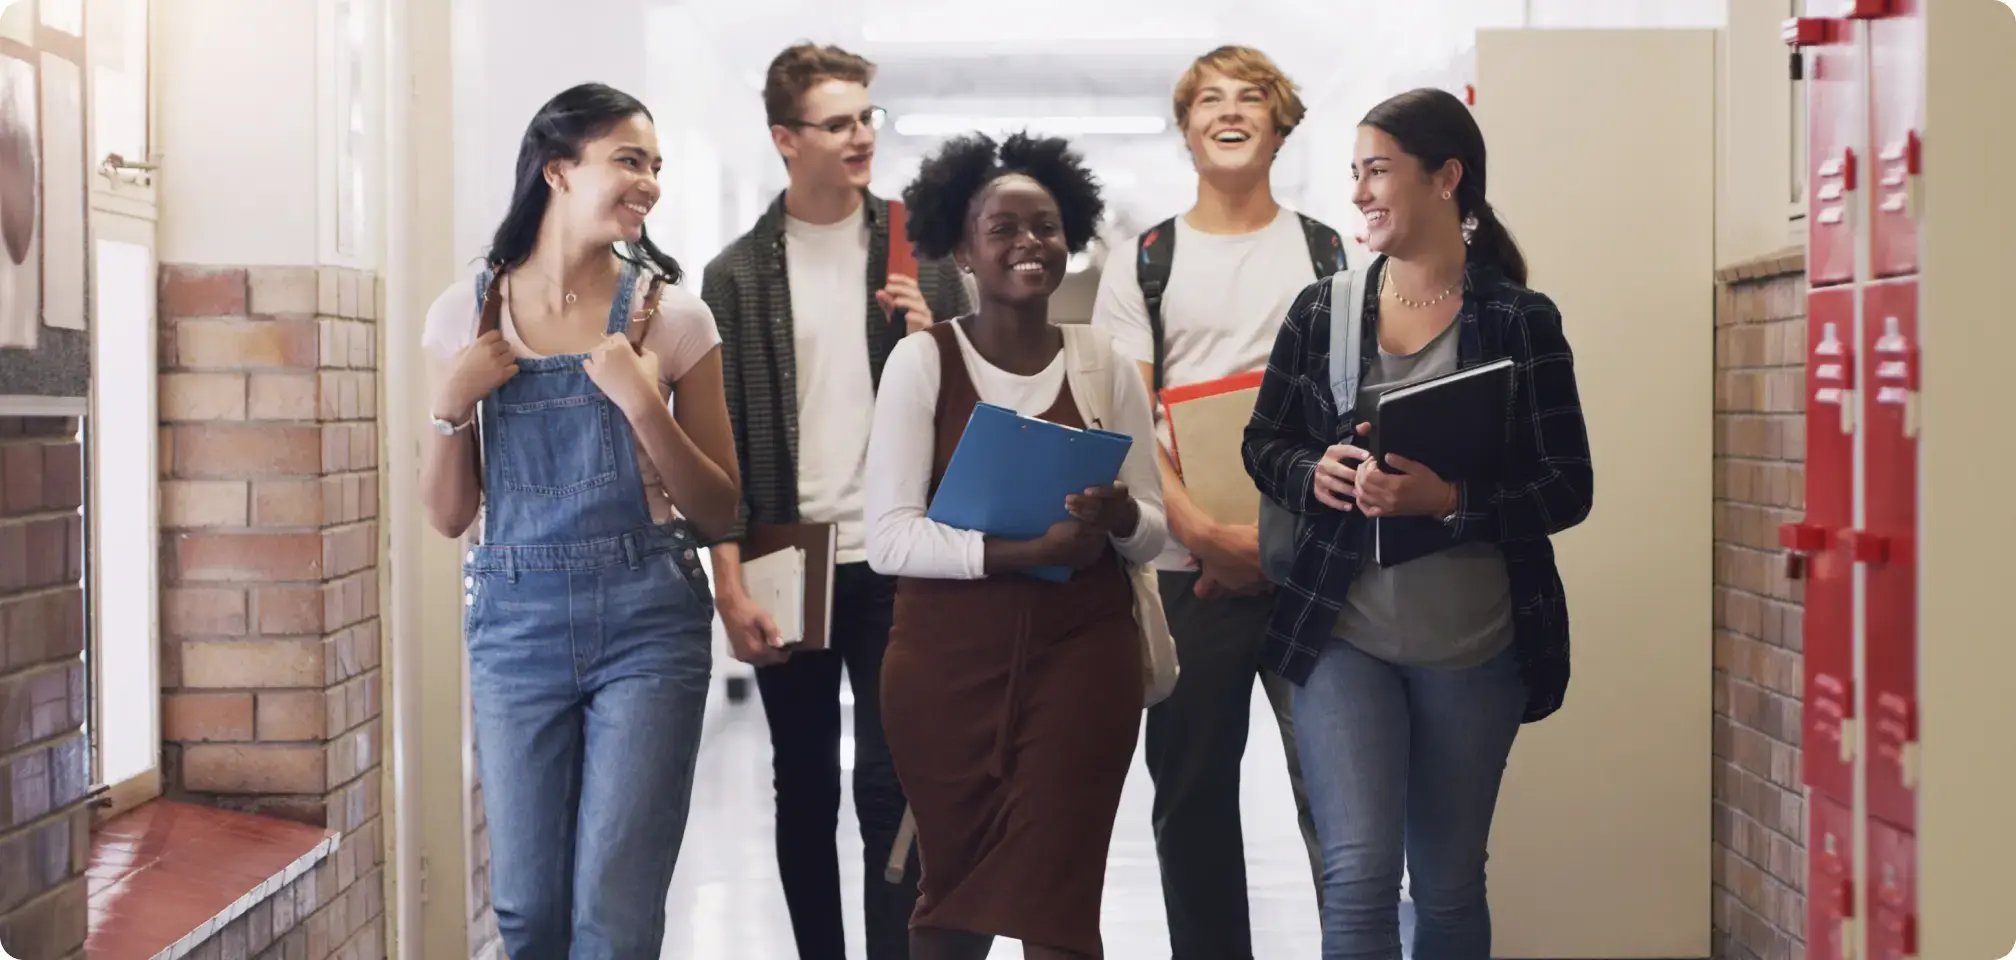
(808, 311)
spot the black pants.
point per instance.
(801, 700)
(1195, 741)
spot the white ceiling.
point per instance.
(974, 59)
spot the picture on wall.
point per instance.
(20, 206)
(17, 22)
(63, 194)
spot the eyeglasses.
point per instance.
(872, 118)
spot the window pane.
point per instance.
(64, 15)
(119, 72)
(124, 480)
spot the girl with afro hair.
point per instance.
(1012, 704)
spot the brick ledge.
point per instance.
(1788, 260)
(246, 833)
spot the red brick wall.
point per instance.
(45, 765)
(271, 684)
(1759, 811)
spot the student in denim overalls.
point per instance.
(588, 617)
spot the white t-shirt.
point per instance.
(902, 541)
(681, 333)
(1226, 300)
(827, 266)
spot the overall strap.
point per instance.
(619, 305)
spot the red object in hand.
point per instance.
(902, 256)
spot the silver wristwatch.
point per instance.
(447, 429)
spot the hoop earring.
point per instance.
(1445, 194)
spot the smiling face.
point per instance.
(1230, 127)
(832, 142)
(1401, 200)
(1015, 242)
(614, 184)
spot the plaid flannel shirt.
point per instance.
(1545, 488)
(748, 289)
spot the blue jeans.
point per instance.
(1404, 759)
(589, 678)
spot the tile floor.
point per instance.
(725, 900)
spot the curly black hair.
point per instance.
(941, 198)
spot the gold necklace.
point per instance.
(1386, 275)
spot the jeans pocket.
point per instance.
(556, 447)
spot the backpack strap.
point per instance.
(1326, 246)
(1088, 355)
(1156, 251)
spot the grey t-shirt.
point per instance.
(1450, 609)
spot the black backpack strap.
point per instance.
(1156, 251)
(1326, 247)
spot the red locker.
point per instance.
(1830, 880)
(1887, 546)
(1829, 640)
(1896, 119)
(1833, 115)
(1893, 893)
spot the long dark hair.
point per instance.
(1435, 127)
(557, 132)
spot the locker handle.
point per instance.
(1811, 31)
(1865, 547)
(1802, 537)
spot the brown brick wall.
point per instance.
(303, 921)
(1759, 811)
(45, 764)
(271, 684)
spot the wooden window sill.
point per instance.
(167, 876)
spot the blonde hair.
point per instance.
(799, 68)
(1248, 65)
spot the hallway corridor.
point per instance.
(726, 902)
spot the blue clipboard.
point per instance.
(1010, 474)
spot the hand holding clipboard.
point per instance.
(901, 298)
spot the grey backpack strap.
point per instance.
(1346, 338)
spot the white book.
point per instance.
(776, 582)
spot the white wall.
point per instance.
(1601, 846)
(248, 65)
(510, 58)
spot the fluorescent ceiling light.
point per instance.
(1048, 21)
(939, 125)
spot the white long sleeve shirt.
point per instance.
(902, 541)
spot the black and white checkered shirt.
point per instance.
(1547, 484)
(747, 287)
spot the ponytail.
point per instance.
(1492, 243)
(1436, 128)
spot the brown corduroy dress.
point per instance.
(1012, 706)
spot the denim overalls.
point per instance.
(589, 632)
